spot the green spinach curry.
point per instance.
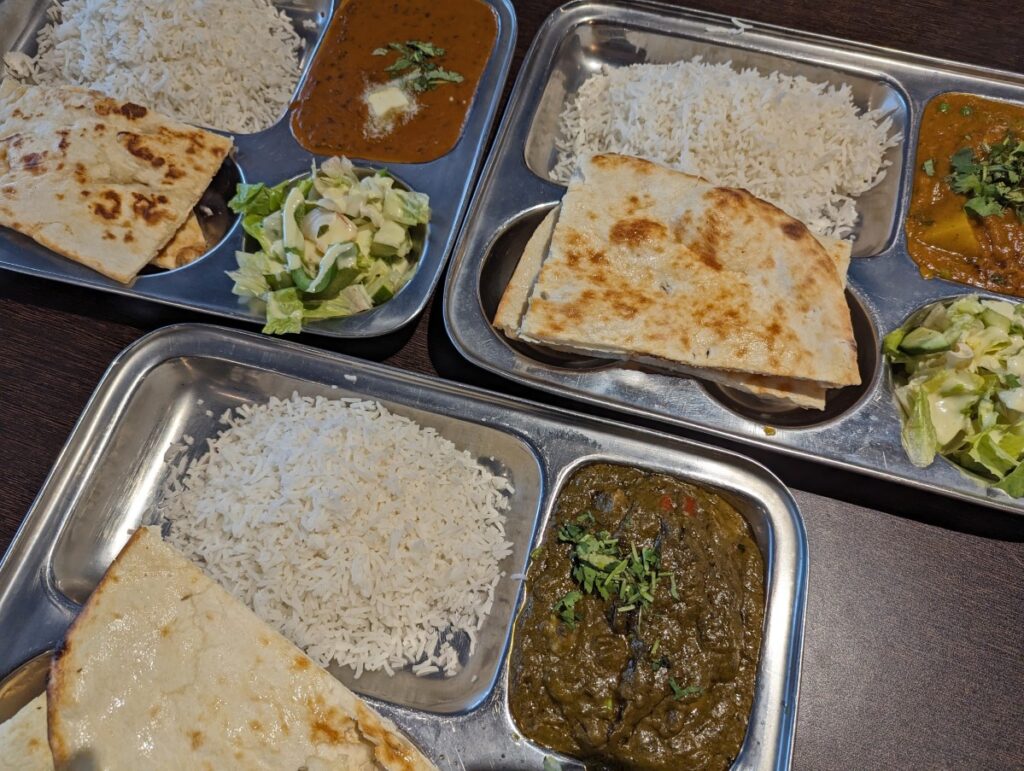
(638, 643)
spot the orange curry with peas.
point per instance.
(944, 239)
(331, 115)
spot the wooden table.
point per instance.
(914, 652)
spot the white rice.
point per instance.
(362, 536)
(803, 146)
(225, 64)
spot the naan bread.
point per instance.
(514, 299)
(788, 391)
(23, 744)
(163, 669)
(187, 245)
(103, 182)
(650, 264)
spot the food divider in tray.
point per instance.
(573, 331)
(159, 409)
(190, 270)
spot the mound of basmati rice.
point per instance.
(225, 64)
(362, 536)
(803, 146)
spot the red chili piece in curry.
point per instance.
(943, 239)
(330, 116)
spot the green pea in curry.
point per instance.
(638, 642)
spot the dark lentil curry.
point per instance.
(638, 643)
(330, 116)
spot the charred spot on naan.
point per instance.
(33, 162)
(637, 231)
(328, 724)
(151, 209)
(109, 207)
(136, 145)
(129, 110)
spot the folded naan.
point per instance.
(806, 394)
(652, 265)
(23, 744)
(185, 246)
(163, 669)
(103, 182)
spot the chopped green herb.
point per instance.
(586, 518)
(672, 586)
(943, 106)
(599, 567)
(654, 648)
(414, 65)
(676, 690)
(683, 693)
(966, 111)
(566, 608)
(929, 167)
(993, 181)
(536, 552)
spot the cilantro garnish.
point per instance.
(682, 693)
(599, 566)
(566, 608)
(993, 181)
(415, 66)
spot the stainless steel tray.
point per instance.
(178, 379)
(274, 155)
(860, 427)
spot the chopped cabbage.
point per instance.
(958, 373)
(329, 244)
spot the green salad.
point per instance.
(958, 374)
(331, 244)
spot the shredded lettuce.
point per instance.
(959, 374)
(329, 244)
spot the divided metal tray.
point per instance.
(274, 155)
(181, 379)
(860, 427)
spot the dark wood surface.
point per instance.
(914, 654)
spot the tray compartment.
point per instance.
(754, 510)
(780, 538)
(21, 21)
(187, 396)
(588, 47)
